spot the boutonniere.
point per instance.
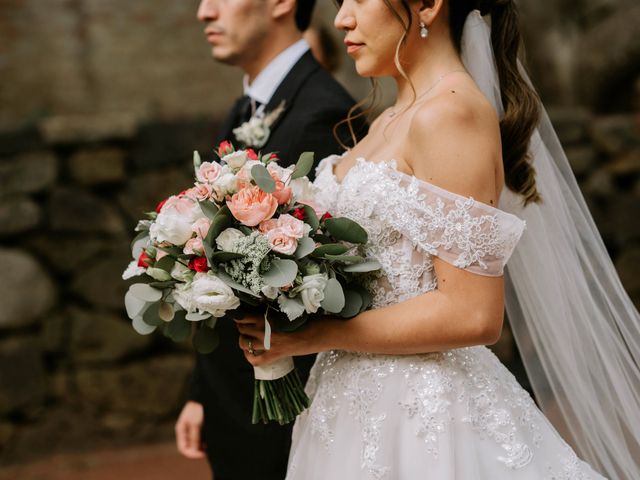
(255, 131)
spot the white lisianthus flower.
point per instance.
(312, 291)
(291, 307)
(210, 294)
(303, 189)
(235, 160)
(133, 270)
(270, 292)
(245, 172)
(228, 238)
(226, 184)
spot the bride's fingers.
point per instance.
(251, 331)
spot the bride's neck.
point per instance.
(425, 69)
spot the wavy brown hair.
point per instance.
(520, 101)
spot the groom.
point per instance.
(286, 89)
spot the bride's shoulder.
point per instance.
(454, 142)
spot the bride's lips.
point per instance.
(353, 47)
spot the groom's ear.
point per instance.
(429, 10)
(283, 8)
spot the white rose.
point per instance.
(226, 184)
(172, 227)
(291, 307)
(246, 169)
(227, 239)
(235, 160)
(312, 291)
(303, 189)
(206, 293)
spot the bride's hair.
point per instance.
(521, 103)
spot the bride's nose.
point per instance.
(345, 20)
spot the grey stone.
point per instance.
(71, 252)
(27, 290)
(68, 129)
(616, 134)
(98, 165)
(626, 165)
(623, 212)
(582, 159)
(28, 173)
(628, 267)
(76, 210)
(18, 215)
(22, 376)
(100, 283)
(102, 337)
(20, 140)
(571, 124)
(54, 336)
(145, 191)
(149, 389)
(7, 430)
(599, 184)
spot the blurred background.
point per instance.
(102, 103)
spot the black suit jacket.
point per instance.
(223, 380)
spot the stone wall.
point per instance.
(102, 103)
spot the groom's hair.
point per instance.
(304, 12)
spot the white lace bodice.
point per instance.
(410, 220)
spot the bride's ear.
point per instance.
(429, 10)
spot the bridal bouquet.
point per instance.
(248, 235)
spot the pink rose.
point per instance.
(282, 193)
(251, 206)
(281, 242)
(201, 227)
(194, 246)
(268, 225)
(182, 205)
(291, 226)
(208, 172)
(201, 192)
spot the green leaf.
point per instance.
(218, 257)
(179, 328)
(310, 217)
(330, 249)
(282, 272)
(347, 230)
(166, 263)
(353, 304)
(306, 246)
(138, 243)
(151, 316)
(209, 209)
(334, 300)
(163, 285)
(222, 220)
(365, 294)
(303, 165)
(206, 340)
(320, 238)
(173, 251)
(263, 178)
(145, 292)
(345, 258)
(368, 266)
(141, 327)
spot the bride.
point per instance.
(408, 389)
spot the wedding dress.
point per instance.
(457, 414)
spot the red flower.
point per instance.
(225, 148)
(251, 154)
(198, 264)
(160, 205)
(144, 260)
(298, 213)
(273, 157)
(326, 216)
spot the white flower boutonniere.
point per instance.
(255, 132)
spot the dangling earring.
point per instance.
(424, 31)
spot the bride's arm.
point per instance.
(466, 309)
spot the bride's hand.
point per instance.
(282, 344)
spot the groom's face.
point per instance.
(236, 29)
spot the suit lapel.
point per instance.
(226, 131)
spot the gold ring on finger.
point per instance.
(250, 349)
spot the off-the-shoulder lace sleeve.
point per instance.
(461, 231)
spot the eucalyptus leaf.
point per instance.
(263, 178)
(209, 209)
(306, 246)
(334, 300)
(282, 273)
(163, 285)
(303, 165)
(173, 251)
(145, 292)
(141, 327)
(166, 263)
(368, 266)
(206, 340)
(221, 221)
(166, 312)
(353, 304)
(151, 315)
(134, 305)
(179, 328)
(345, 258)
(140, 241)
(310, 217)
(330, 249)
(366, 297)
(347, 230)
(218, 257)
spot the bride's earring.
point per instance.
(424, 31)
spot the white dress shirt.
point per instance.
(269, 79)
